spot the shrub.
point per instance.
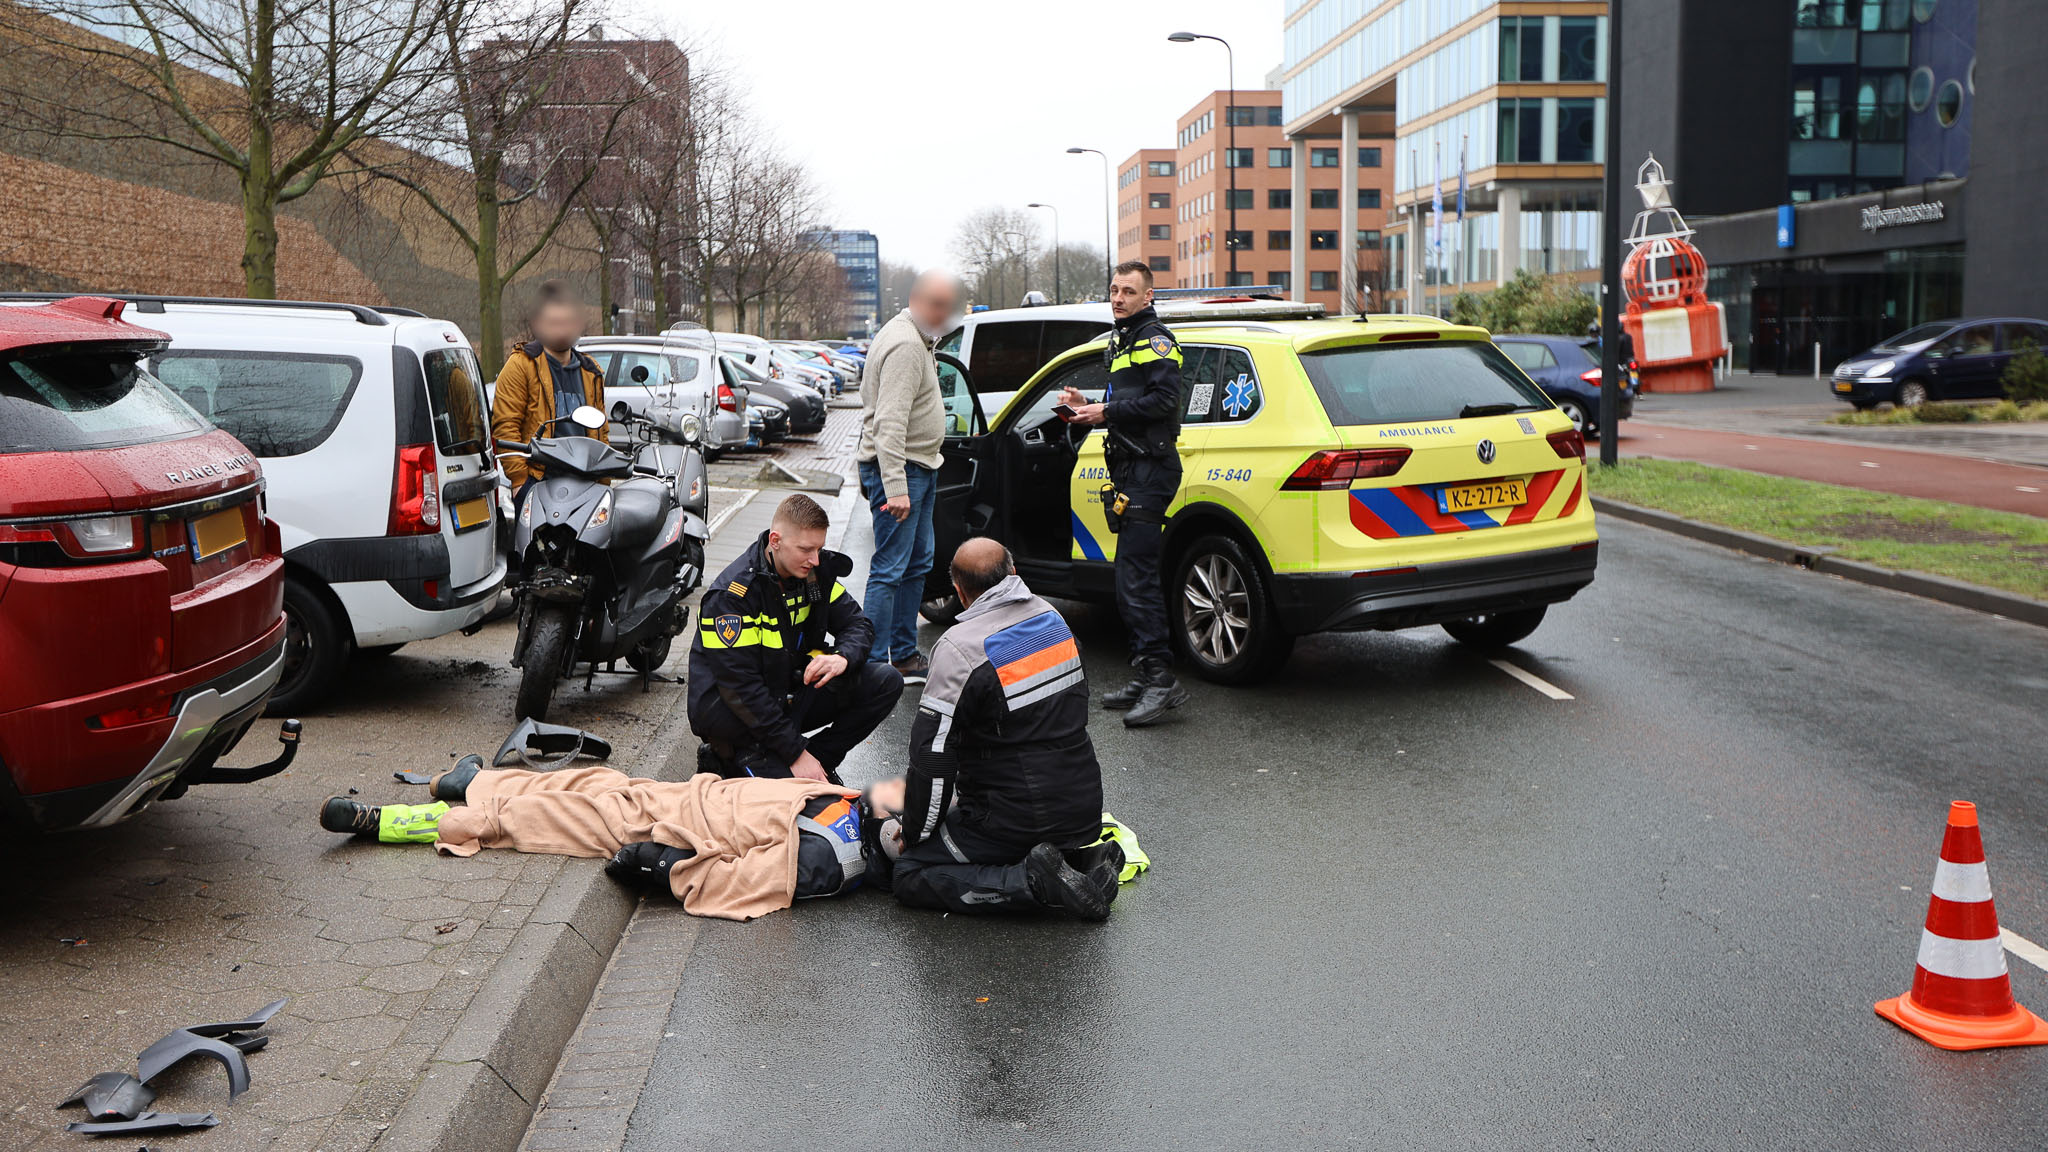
(2026, 375)
(1529, 303)
(1942, 413)
(2003, 412)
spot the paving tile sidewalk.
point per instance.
(232, 896)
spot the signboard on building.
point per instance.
(1928, 213)
(1787, 226)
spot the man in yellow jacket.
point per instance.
(544, 379)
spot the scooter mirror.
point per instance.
(587, 417)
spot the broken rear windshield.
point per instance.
(75, 399)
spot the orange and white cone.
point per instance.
(1961, 996)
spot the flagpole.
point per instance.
(1458, 267)
(1415, 280)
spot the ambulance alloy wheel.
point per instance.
(1220, 615)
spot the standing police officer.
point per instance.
(1141, 417)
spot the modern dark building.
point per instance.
(859, 257)
(1853, 167)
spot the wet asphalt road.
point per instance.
(1401, 900)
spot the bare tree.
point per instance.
(1075, 274)
(534, 113)
(993, 245)
(274, 90)
(815, 301)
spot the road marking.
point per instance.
(1532, 680)
(719, 520)
(2026, 488)
(1752, 448)
(1868, 463)
(2024, 948)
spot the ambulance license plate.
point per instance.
(1473, 497)
(216, 533)
(471, 513)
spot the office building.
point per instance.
(1174, 205)
(1511, 92)
(1853, 167)
(859, 258)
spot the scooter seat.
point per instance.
(639, 508)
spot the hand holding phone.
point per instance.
(1065, 412)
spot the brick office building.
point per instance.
(1187, 213)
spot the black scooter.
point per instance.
(603, 568)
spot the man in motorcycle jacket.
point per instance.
(762, 671)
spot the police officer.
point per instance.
(1141, 416)
(762, 672)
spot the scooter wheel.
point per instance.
(547, 652)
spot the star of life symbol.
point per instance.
(1238, 396)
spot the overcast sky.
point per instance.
(913, 113)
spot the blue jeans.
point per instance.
(903, 555)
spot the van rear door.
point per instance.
(453, 396)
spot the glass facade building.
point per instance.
(859, 258)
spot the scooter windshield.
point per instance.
(581, 456)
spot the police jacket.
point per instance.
(1144, 387)
(755, 636)
(1004, 725)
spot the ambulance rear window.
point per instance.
(1404, 383)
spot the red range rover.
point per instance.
(140, 582)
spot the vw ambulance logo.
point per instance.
(1486, 451)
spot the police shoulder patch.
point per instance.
(736, 588)
(726, 628)
(1162, 345)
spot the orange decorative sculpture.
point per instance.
(1678, 332)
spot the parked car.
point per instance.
(817, 355)
(806, 407)
(141, 582)
(785, 364)
(767, 420)
(771, 363)
(1337, 476)
(374, 434)
(641, 371)
(1567, 368)
(1945, 360)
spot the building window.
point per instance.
(1237, 198)
(1159, 232)
(1368, 157)
(1322, 281)
(1279, 240)
(1280, 198)
(1158, 167)
(1578, 48)
(1281, 280)
(1237, 279)
(1279, 157)
(1323, 241)
(1575, 144)
(1521, 132)
(1237, 157)
(1324, 157)
(1240, 240)
(1368, 239)
(1521, 48)
(1322, 198)
(1160, 264)
(1253, 116)
(1948, 104)
(1159, 200)
(1368, 197)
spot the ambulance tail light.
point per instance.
(416, 492)
(1569, 444)
(1333, 470)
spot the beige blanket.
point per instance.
(743, 831)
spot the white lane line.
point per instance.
(2024, 948)
(2026, 488)
(1532, 680)
(1868, 463)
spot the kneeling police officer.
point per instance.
(1141, 417)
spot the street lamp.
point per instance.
(1108, 218)
(1230, 122)
(1056, 297)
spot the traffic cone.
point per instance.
(1961, 996)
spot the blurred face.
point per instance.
(932, 306)
(1128, 295)
(886, 796)
(558, 326)
(796, 551)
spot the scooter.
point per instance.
(603, 568)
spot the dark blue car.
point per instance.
(1945, 360)
(1559, 365)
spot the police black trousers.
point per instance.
(941, 873)
(851, 707)
(1140, 585)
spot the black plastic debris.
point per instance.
(544, 746)
(111, 1096)
(147, 1122)
(224, 1042)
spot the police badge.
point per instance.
(1162, 346)
(727, 628)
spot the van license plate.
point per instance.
(1473, 497)
(471, 513)
(215, 534)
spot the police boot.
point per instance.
(1162, 694)
(1058, 888)
(1096, 855)
(1121, 699)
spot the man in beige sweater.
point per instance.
(902, 425)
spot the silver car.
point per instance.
(640, 371)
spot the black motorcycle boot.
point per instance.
(645, 864)
(1122, 699)
(1162, 694)
(350, 817)
(453, 785)
(1095, 856)
(1059, 888)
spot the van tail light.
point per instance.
(1335, 469)
(727, 402)
(1569, 444)
(416, 492)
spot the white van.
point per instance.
(376, 446)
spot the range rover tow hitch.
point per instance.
(287, 735)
